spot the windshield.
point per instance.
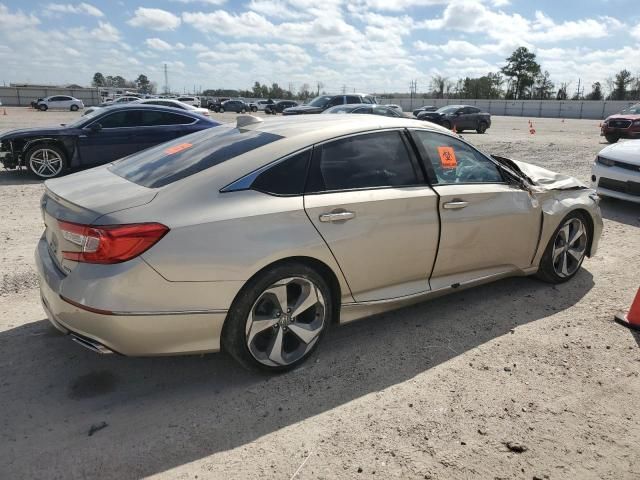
(320, 101)
(632, 110)
(79, 123)
(448, 109)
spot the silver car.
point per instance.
(255, 237)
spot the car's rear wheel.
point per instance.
(74, 108)
(221, 110)
(278, 318)
(566, 250)
(482, 127)
(254, 109)
(611, 138)
(43, 107)
(45, 161)
(446, 124)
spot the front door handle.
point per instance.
(336, 217)
(455, 205)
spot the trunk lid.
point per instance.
(83, 198)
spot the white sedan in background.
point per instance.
(64, 102)
(616, 171)
(170, 102)
(193, 101)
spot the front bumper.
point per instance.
(632, 131)
(131, 333)
(616, 182)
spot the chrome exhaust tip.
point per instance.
(91, 344)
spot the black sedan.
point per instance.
(98, 138)
(424, 108)
(462, 117)
(278, 107)
(365, 108)
(237, 106)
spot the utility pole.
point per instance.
(413, 88)
(319, 87)
(578, 94)
(344, 89)
(166, 80)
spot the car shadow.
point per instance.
(620, 211)
(66, 409)
(18, 177)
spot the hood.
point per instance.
(302, 109)
(625, 116)
(627, 152)
(29, 132)
(548, 180)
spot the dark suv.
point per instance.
(215, 104)
(321, 103)
(237, 106)
(625, 124)
(279, 107)
(463, 117)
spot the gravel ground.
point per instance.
(517, 379)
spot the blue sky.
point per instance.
(363, 45)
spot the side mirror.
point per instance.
(95, 127)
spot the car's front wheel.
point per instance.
(254, 109)
(45, 161)
(611, 138)
(278, 318)
(74, 108)
(42, 107)
(447, 124)
(244, 110)
(482, 127)
(221, 110)
(566, 250)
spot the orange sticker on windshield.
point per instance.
(447, 157)
(177, 148)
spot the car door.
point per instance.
(366, 197)
(55, 102)
(109, 137)
(488, 226)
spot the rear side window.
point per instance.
(363, 161)
(154, 118)
(353, 99)
(286, 178)
(173, 161)
(456, 162)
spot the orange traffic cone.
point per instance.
(632, 318)
(532, 130)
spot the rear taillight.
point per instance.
(110, 243)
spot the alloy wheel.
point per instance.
(46, 163)
(285, 322)
(569, 247)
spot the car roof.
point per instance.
(146, 106)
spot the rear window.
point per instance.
(172, 161)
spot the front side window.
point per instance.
(353, 99)
(371, 160)
(339, 100)
(454, 161)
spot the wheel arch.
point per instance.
(56, 142)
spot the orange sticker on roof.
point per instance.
(177, 148)
(447, 157)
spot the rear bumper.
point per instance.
(616, 182)
(128, 333)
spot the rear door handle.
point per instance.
(335, 217)
(455, 205)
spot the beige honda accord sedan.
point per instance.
(255, 237)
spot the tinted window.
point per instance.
(339, 100)
(169, 162)
(388, 112)
(363, 161)
(152, 118)
(286, 178)
(456, 162)
(353, 99)
(128, 118)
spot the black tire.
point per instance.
(254, 109)
(74, 108)
(546, 271)
(221, 110)
(611, 138)
(447, 124)
(482, 127)
(43, 107)
(30, 163)
(234, 336)
(244, 110)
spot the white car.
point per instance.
(262, 104)
(120, 100)
(397, 108)
(193, 101)
(170, 102)
(60, 101)
(616, 171)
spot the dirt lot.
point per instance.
(438, 390)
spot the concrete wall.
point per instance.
(22, 96)
(596, 110)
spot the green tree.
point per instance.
(522, 69)
(439, 85)
(143, 84)
(622, 81)
(99, 80)
(596, 92)
(543, 86)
